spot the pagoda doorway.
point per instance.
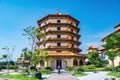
(58, 63)
(61, 62)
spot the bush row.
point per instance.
(90, 68)
(10, 67)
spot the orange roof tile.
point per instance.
(66, 54)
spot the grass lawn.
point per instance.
(117, 74)
(17, 77)
(79, 74)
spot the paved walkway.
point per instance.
(94, 76)
(62, 76)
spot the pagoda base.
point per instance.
(65, 60)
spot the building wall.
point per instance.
(55, 28)
(55, 21)
(55, 44)
(52, 36)
(117, 61)
(67, 62)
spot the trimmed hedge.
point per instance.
(10, 67)
(90, 68)
(111, 68)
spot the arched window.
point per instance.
(80, 62)
(41, 63)
(75, 62)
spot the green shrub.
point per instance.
(3, 67)
(69, 68)
(116, 74)
(88, 67)
(100, 69)
(111, 68)
(13, 67)
(48, 68)
(10, 67)
(45, 71)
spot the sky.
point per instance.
(97, 19)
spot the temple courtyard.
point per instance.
(64, 75)
(89, 76)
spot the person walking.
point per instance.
(58, 69)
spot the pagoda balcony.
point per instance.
(67, 39)
(62, 32)
(66, 24)
(62, 48)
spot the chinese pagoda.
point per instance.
(62, 43)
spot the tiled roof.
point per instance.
(92, 47)
(66, 54)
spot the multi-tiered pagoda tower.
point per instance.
(62, 40)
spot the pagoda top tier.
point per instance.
(58, 15)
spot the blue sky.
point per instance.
(97, 19)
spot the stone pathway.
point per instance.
(94, 76)
(62, 76)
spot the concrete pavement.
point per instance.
(95, 76)
(62, 76)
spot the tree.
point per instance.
(32, 54)
(40, 56)
(112, 46)
(8, 56)
(111, 56)
(31, 32)
(94, 58)
(113, 42)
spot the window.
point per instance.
(58, 21)
(58, 51)
(58, 36)
(44, 45)
(58, 28)
(75, 62)
(58, 44)
(80, 62)
(72, 45)
(71, 30)
(45, 30)
(44, 23)
(40, 25)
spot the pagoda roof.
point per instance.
(101, 49)
(60, 48)
(118, 30)
(118, 25)
(66, 54)
(59, 39)
(92, 47)
(56, 15)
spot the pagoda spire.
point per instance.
(58, 12)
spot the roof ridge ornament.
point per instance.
(58, 12)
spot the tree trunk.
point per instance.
(8, 67)
(113, 63)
